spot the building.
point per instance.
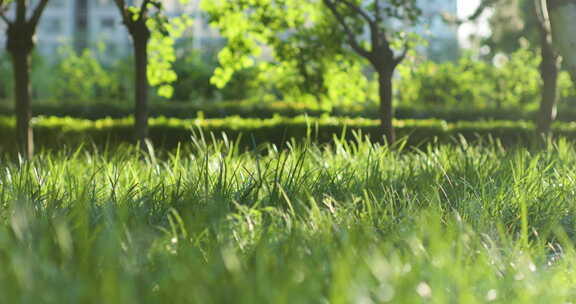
(55, 27)
(442, 38)
(94, 23)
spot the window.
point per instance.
(52, 26)
(57, 3)
(107, 23)
(104, 2)
(49, 48)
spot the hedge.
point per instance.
(54, 132)
(253, 109)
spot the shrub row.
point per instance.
(248, 109)
(54, 132)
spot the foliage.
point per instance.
(147, 21)
(353, 223)
(195, 69)
(168, 133)
(259, 108)
(513, 82)
(300, 48)
(290, 38)
(446, 84)
(511, 23)
(193, 78)
(73, 80)
(120, 70)
(162, 53)
(82, 78)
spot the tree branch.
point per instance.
(358, 10)
(377, 11)
(541, 10)
(144, 8)
(352, 41)
(37, 14)
(20, 10)
(122, 8)
(3, 11)
(485, 4)
(4, 18)
(402, 56)
(481, 8)
(372, 23)
(378, 20)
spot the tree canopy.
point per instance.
(302, 44)
(163, 31)
(312, 41)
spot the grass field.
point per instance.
(346, 223)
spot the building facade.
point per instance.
(442, 38)
(94, 23)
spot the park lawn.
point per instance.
(351, 222)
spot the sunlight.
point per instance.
(478, 28)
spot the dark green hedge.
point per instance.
(54, 133)
(250, 109)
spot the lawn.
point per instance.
(352, 222)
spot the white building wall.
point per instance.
(105, 28)
(442, 38)
(56, 26)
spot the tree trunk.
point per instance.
(563, 20)
(141, 90)
(22, 99)
(549, 69)
(386, 108)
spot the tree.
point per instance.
(296, 50)
(153, 35)
(515, 20)
(562, 23)
(549, 69)
(20, 43)
(375, 16)
(312, 35)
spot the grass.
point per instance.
(351, 222)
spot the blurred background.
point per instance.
(483, 68)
